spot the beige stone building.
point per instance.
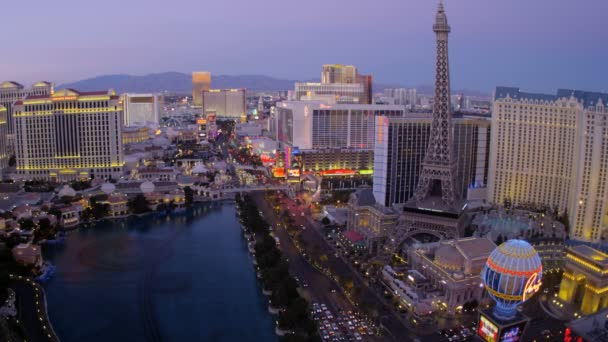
(69, 135)
(370, 219)
(453, 268)
(552, 150)
(585, 279)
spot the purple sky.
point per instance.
(539, 45)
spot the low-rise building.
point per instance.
(69, 216)
(352, 241)
(134, 135)
(590, 328)
(22, 212)
(409, 296)
(27, 254)
(165, 174)
(118, 204)
(585, 279)
(335, 215)
(453, 268)
(370, 219)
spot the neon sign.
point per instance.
(532, 286)
(512, 333)
(487, 330)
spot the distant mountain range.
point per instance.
(180, 83)
(176, 82)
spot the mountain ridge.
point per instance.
(181, 83)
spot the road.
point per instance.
(320, 284)
(31, 310)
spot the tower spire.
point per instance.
(437, 176)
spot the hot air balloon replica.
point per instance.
(512, 275)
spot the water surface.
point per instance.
(180, 278)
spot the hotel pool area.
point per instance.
(506, 225)
(517, 223)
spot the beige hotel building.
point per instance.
(69, 135)
(201, 81)
(552, 150)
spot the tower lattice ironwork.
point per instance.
(439, 165)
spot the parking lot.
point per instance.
(462, 333)
(341, 326)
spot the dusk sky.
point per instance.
(538, 45)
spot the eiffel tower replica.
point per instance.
(437, 205)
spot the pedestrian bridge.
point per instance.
(285, 188)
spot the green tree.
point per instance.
(565, 220)
(100, 210)
(45, 230)
(26, 224)
(499, 240)
(471, 305)
(162, 207)
(12, 161)
(189, 195)
(55, 212)
(138, 204)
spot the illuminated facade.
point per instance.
(339, 136)
(134, 135)
(401, 145)
(69, 135)
(339, 83)
(453, 268)
(3, 137)
(141, 109)
(585, 279)
(201, 81)
(225, 103)
(370, 219)
(338, 92)
(552, 150)
(13, 91)
(338, 73)
(512, 274)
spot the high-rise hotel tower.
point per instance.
(69, 135)
(12, 91)
(552, 151)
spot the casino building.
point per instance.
(551, 150)
(401, 145)
(3, 137)
(69, 135)
(371, 220)
(10, 92)
(338, 138)
(585, 279)
(453, 268)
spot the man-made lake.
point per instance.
(179, 278)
